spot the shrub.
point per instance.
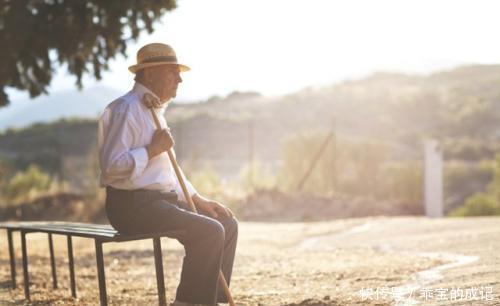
(463, 180)
(26, 184)
(206, 181)
(480, 204)
(483, 203)
(255, 176)
(402, 181)
(346, 166)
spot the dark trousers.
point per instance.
(209, 243)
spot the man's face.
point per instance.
(163, 81)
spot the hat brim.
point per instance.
(135, 68)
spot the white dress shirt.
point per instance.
(126, 127)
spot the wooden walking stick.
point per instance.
(150, 102)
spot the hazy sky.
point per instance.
(281, 46)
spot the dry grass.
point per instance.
(322, 263)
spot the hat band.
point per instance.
(161, 59)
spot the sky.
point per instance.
(278, 47)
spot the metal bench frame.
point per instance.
(100, 233)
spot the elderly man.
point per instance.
(143, 193)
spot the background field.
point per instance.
(316, 263)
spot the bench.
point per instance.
(100, 233)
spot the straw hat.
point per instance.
(156, 54)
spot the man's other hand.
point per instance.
(161, 142)
(213, 208)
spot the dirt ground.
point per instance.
(361, 261)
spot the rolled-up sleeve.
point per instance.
(118, 159)
(140, 156)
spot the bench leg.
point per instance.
(12, 258)
(25, 266)
(71, 267)
(52, 262)
(160, 281)
(100, 273)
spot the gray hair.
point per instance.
(139, 76)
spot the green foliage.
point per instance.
(346, 166)
(6, 170)
(83, 35)
(25, 184)
(365, 159)
(494, 187)
(298, 152)
(464, 179)
(254, 176)
(91, 172)
(206, 181)
(483, 203)
(48, 145)
(468, 114)
(401, 181)
(472, 149)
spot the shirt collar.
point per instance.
(141, 90)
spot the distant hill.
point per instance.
(457, 106)
(87, 103)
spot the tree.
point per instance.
(27, 182)
(36, 35)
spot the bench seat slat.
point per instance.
(83, 228)
(80, 227)
(78, 230)
(102, 232)
(17, 225)
(69, 224)
(66, 231)
(79, 224)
